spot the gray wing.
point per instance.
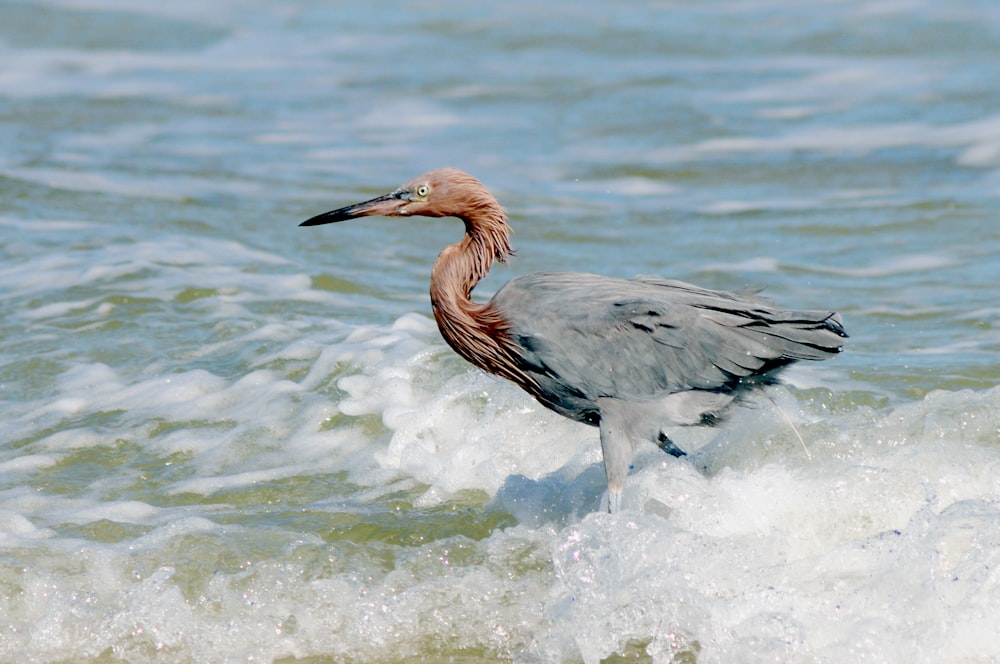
(586, 336)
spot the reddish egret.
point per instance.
(627, 356)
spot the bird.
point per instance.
(632, 357)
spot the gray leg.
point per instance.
(617, 447)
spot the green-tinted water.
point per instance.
(227, 438)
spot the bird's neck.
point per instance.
(462, 265)
(477, 332)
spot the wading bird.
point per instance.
(627, 356)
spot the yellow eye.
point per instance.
(423, 190)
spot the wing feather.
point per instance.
(587, 336)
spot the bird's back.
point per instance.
(583, 337)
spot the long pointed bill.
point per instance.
(385, 205)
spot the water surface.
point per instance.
(227, 438)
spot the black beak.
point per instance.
(385, 205)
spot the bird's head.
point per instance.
(444, 192)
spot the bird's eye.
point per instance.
(423, 190)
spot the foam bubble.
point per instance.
(123, 511)
(879, 543)
(986, 153)
(978, 137)
(27, 462)
(794, 561)
(758, 264)
(15, 524)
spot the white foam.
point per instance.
(986, 153)
(976, 137)
(882, 543)
(14, 523)
(796, 561)
(27, 462)
(758, 264)
(410, 114)
(628, 186)
(448, 433)
(200, 462)
(86, 181)
(120, 511)
(206, 486)
(899, 264)
(717, 562)
(788, 112)
(740, 207)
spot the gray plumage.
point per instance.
(628, 356)
(585, 336)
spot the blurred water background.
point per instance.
(227, 438)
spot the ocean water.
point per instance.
(224, 438)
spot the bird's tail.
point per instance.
(803, 335)
(782, 336)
